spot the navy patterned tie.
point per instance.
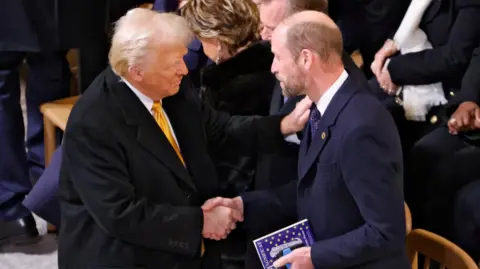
(315, 116)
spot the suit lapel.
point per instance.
(311, 147)
(149, 134)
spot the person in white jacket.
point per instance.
(417, 99)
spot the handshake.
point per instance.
(220, 216)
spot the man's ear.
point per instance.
(136, 73)
(306, 59)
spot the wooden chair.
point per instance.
(437, 248)
(55, 115)
(357, 58)
(408, 219)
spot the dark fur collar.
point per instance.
(254, 59)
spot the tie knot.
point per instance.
(315, 114)
(157, 106)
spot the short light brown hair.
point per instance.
(318, 37)
(234, 22)
(294, 6)
(139, 32)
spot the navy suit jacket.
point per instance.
(349, 187)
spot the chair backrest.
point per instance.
(408, 219)
(437, 248)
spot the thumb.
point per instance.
(306, 102)
(477, 114)
(283, 261)
(237, 215)
(212, 203)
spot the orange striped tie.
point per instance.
(161, 119)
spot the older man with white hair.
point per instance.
(136, 170)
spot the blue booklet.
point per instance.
(277, 244)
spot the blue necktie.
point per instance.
(315, 116)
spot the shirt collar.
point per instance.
(146, 101)
(322, 104)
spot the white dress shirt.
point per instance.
(324, 101)
(148, 103)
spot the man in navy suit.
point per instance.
(350, 161)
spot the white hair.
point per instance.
(136, 32)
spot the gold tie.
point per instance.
(161, 119)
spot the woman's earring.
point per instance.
(217, 60)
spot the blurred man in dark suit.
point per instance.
(29, 33)
(446, 159)
(466, 229)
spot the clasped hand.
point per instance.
(378, 67)
(220, 216)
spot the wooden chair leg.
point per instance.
(49, 139)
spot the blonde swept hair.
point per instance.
(139, 32)
(235, 23)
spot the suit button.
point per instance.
(452, 94)
(187, 194)
(433, 119)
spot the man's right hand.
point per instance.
(219, 218)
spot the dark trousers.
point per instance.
(441, 164)
(20, 160)
(43, 199)
(467, 219)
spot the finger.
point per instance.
(233, 226)
(451, 128)
(236, 215)
(225, 235)
(477, 115)
(375, 68)
(304, 117)
(454, 123)
(208, 236)
(465, 120)
(283, 261)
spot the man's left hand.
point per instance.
(296, 120)
(299, 259)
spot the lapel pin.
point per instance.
(324, 135)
